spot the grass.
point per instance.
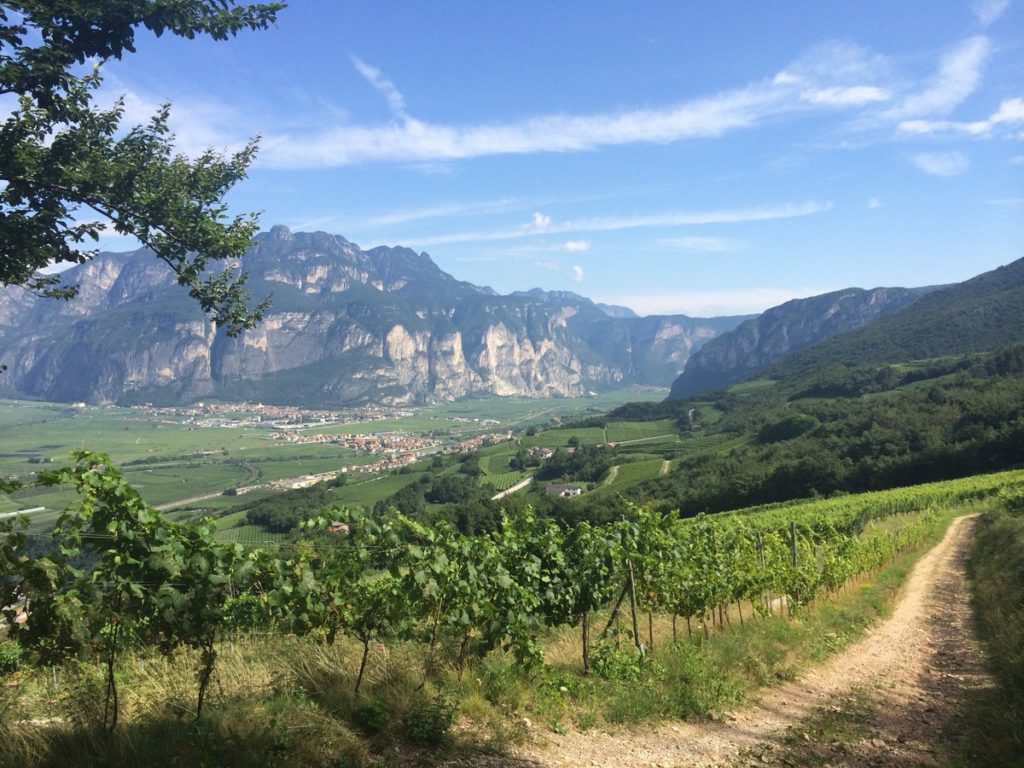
(623, 431)
(281, 700)
(633, 473)
(994, 720)
(559, 438)
(365, 491)
(503, 481)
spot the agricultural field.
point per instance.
(170, 461)
(559, 438)
(635, 431)
(367, 491)
(504, 480)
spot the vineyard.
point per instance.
(503, 480)
(386, 579)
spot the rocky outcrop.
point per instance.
(757, 343)
(347, 326)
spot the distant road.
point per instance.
(517, 487)
(17, 512)
(183, 502)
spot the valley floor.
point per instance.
(903, 684)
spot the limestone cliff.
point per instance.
(347, 326)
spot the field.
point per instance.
(632, 431)
(504, 480)
(631, 474)
(169, 461)
(559, 438)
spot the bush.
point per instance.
(371, 716)
(614, 663)
(429, 725)
(10, 658)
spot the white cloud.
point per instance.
(941, 163)
(1017, 160)
(957, 77)
(837, 96)
(1010, 113)
(541, 220)
(709, 303)
(577, 273)
(874, 202)
(552, 265)
(576, 245)
(611, 223)
(988, 11)
(705, 244)
(832, 75)
(444, 210)
(396, 102)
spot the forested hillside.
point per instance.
(978, 315)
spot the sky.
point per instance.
(703, 158)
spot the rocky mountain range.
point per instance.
(760, 341)
(347, 326)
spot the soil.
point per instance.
(918, 667)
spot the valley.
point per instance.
(493, 385)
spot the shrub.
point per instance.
(10, 657)
(430, 724)
(372, 716)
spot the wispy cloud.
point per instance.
(549, 264)
(611, 223)
(988, 11)
(941, 163)
(854, 96)
(831, 76)
(396, 102)
(576, 246)
(443, 210)
(704, 244)
(1010, 114)
(874, 202)
(709, 303)
(577, 273)
(957, 78)
(541, 221)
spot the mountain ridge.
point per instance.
(785, 329)
(347, 326)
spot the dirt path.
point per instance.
(611, 475)
(920, 659)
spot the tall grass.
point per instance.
(996, 567)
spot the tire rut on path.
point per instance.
(910, 655)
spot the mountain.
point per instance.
(757, 343)
(979, 315)
(347, 326)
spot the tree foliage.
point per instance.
(70, 168)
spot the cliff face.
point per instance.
(347, 326)
(757, 343)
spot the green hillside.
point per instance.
(978, 315)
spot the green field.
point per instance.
(628, 431)
(504, 480)
(631, 474)
(171, 462)
(559, 438)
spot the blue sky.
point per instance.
(705, 158)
